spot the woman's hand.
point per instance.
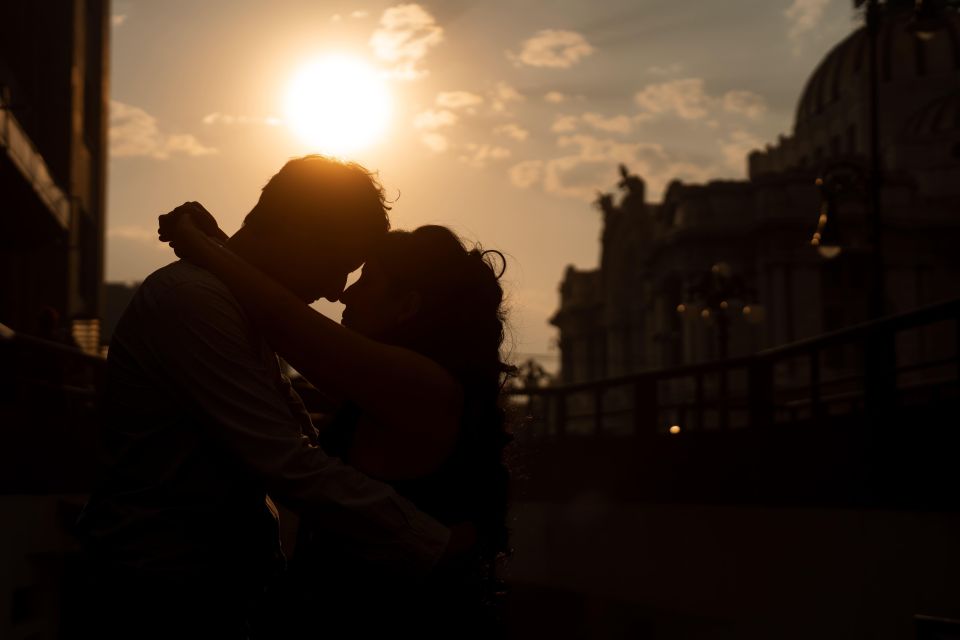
(188, 228)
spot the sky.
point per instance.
(506, 119)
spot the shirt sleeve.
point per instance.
(205, 345)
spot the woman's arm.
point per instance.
(399, 388)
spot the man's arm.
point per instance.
(205, 346)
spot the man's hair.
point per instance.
(320, 194)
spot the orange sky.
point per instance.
(507, 117)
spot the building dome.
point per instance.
(905, 63)
(939, 118)
(834, 111)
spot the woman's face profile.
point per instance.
(373, 306)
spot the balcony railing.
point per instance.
(49, 404)
(866, 370)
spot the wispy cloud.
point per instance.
(685, 98)
(359, 14)
(134, 132)
(567, 123)
(564, 124)
(745, 103)
(512, 130)
(555, 97)
(589, 166)
(479, 155)
(502, 95)
(406, 34)
(526, 174)
(458, 99)
(688, 99)
(434, 119)
(553, 48)
(803, 16)
(609, 124)
(436, 142)
(671, 69)
(131, 232)
(736, 147)
(226, 119)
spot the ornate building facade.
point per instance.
(648, 305)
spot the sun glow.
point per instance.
(338, 104)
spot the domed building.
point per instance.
(654, 302)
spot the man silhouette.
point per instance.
(200, 425)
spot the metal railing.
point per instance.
(49, 408)
(866, 370)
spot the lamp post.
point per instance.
(927, 19)
(713, 293)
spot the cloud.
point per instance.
(222, 118)
(612, 124)
(434, 119)
(591, 166)
(118, 19)
(436, 142)
(359, 14)
(502, 95)
(671, 69)
(478, 155)
(134, 132)
(553, 48)
(736, 147)
(526, 174)
(406, 33)
(596, 121)
(555, 97)
(131, 232)
(564, 124)
(458, 99)
(804, 16)
(745, 103)
(685, 98)
(512, 130)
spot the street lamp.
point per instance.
(927, 18)
(713, 293)
(838, 182)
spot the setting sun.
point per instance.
(337, 104)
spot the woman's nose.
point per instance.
(346, 294)
(336, 289)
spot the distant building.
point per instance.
(53, 150)
(636, 312)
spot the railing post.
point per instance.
(956, 344)
(816, 406)
(560, 403)
(698, 400)
(880, 374)
(598, 411)
(760, 392)
(722, 403)
(879, 395)
(645, 407)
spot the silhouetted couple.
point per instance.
(401, 491)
